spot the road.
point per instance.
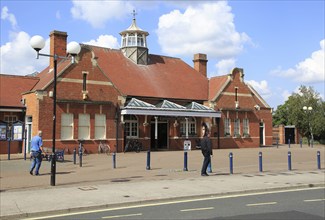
(307, 203)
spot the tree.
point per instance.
(292, 113)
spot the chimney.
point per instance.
(58, 45)
(200, 63)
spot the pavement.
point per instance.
(98, 185)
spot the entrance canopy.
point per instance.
(167, 108)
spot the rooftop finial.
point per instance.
(134, 14)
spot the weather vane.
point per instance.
(134, 14)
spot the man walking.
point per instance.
(36, 153)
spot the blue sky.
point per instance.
(279, 44)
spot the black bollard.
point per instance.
(74, 156)
(289, 143)
(80, 155)
(148, 160)
(260, 161)
(114, 160)
(318, 160)
(185, 161)
(289, 161)
(231, 163)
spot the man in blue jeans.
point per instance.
(36, 153)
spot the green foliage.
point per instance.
(292, 113)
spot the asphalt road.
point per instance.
(291, 204)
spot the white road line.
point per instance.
(196, 209)
(121, 216)
(175, 202)
(314, 200)
(265, 203)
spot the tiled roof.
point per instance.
(12, 87)
(46, 76)
(216, 85)
(163, 77)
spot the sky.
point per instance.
(279, 44)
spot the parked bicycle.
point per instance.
(133, 145)
(104, 148)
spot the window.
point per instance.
(131, 126)
(191, 127)
(140, 41)
(237, 127)
(84, 126)
(66, 126)
(84, 81)
(246, 127)
(131, 40)
(10, 118)
(100, 126)
(227, 126)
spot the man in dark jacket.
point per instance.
(206, 148)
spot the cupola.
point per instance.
(134, 43)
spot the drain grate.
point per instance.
(87, 188)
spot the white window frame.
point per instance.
(84, 126)
(100, 126)
(131, 126)
(245, 126)
(227, 128)
(10, 118)
(66, 126)
(191, 127)
(237, 127)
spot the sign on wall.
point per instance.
(3, 132)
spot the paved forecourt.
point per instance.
(97, 184)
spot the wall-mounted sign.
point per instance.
(17, 131)
(3, 132)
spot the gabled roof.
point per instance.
(46, 76)
(12, 87)
(163, 77)
(169, 105)
(217, 85)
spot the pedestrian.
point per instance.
(36, 153)
(206, 148)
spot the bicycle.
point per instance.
(133, 145)
(104, 148)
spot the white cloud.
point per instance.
(206, 28)
(105, 41)
(19, 58)
(311, 70)
(5, 15)
(225, 66)
(98, 12)
(261, 87)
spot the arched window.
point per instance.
(131, 126)
(191, 127)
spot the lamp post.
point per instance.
(73, 48)
(308, 111)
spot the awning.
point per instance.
(167, 108)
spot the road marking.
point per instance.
(197, 209)
(314, 200)
(265, 203)
(120, 216)
(175, 202)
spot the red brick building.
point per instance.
(115, 95)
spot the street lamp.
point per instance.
(308, 111)
(73, 48)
